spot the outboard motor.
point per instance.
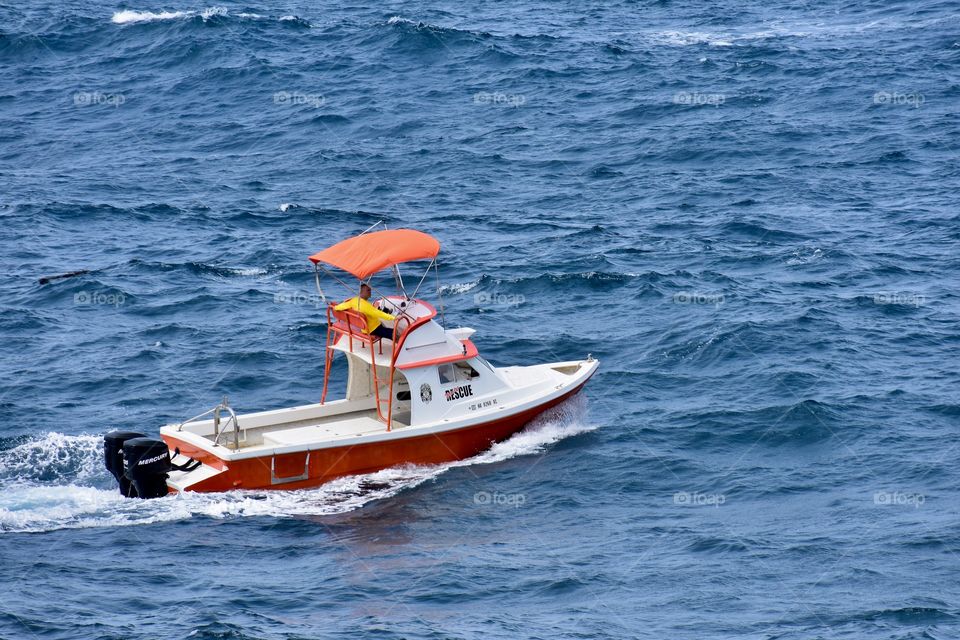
(113, 458)
(146, 462)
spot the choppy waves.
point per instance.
(748, 215)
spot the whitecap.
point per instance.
(804, 255)
(251, 271)
(212, 12)
(682, 38)
(130, 16)
(779, 30)
(458, 288)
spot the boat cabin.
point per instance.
(424, 373)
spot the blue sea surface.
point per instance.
(746, 210)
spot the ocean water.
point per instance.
(746, 210)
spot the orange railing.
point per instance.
(353, 324)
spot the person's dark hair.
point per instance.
(364, 285)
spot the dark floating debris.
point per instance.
(72, 274)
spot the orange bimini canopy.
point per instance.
(366, 254)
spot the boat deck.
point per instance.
(345, 427)
(317, 429)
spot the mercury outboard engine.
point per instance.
(146, 462)
(113, 458)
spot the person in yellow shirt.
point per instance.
(373, 315)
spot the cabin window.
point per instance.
(447, 374)
(456, 372)
(465, 371)
(483, 361)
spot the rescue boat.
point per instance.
(423, 396)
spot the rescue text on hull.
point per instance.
(416, 393)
